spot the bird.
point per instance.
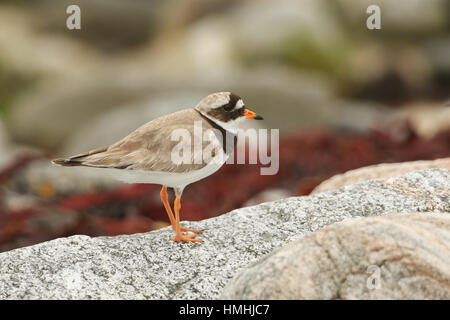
(146, 154)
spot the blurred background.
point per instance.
(342, 96)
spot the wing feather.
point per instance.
(147, 148)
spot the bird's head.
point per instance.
(226, 109)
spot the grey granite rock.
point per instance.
(400, 256)
(150, 266)
(382, 171)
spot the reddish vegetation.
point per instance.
(306, 159)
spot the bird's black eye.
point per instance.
(228, 107)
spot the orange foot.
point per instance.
(191, 230)
(183, 238)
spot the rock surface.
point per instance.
(149, 266)
(380, 171)
(401, 256)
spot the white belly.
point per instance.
(169, 179)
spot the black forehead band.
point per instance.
(226, 116)
(233, 100)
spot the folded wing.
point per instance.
(147, 148)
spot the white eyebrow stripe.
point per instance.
(220, 101)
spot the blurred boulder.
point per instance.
(48, 113)
(389, 72)
(256, 31)
(425, 118)
(4, 139)
(4, 146)
(397, 16)
(11, 152)
(382, 171)
(358, 116)
(108, 25)
(401, 256)
(34, 53)
(438, 50)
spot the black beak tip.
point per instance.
(258, 117)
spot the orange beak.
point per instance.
(251, 115)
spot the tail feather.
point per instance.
(77, 160)
(66, 162)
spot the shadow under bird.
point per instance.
(145, 155)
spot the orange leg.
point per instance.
(178, 235)
(165, 201)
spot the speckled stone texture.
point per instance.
(379, 171)
(401, 256)
(150, 266)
